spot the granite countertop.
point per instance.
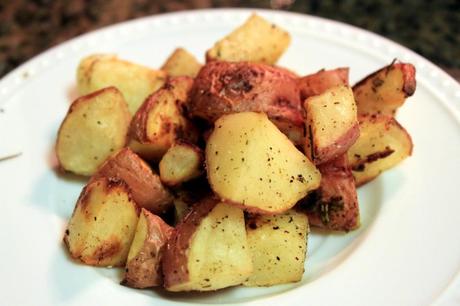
(431, 28)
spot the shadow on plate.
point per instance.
(69, 278)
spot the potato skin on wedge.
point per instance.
(143, 266)
(334, 205)
(257, 40)
(145, 185)
(161, 121)
(385, 90)
(222, 88)
(317, 83)
(383, 144)
(251, 164)
(103, 223)
(332, 124)
(278, 246)
(208, 249)
(94, 128)
(136, 82)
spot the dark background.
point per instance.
(431, 28)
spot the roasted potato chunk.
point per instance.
(334, 205)
(182, 162)
(103, 223)
(208, 250)
(181, 63)
(332, 124)
(143, 267)
(94, 128)
(136, 82)
(385, 90)
(382, 144)
(250, 163)
(145, 185)
(160, 121)
(222, 88)
(257, 40)
(278, 246)
(317, 83)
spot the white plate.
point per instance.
(407, 251)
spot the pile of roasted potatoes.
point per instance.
(208, 176)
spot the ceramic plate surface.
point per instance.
(407, 251)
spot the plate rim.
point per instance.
(436, 76)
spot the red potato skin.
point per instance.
(228, 87)
(146, 271)
(175, 258)
(137, 129)
(410, 83)
(317, 83)
(146, 188)
(322, 155)
(334, 205)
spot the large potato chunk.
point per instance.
(136, 82)
(257, 40)
(94, 128)
(160, 121)
(181, 163)
(208, 250)
(143, 267)
(103, 223)
(252, 164)
(278, 246)
(181, 63)
(145, 185)
(222, 88)
(332, 124)
(383, 144)
(385, 90)
(317, 83)
(334, 205)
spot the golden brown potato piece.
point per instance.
(278, 246)
(94, 128)
(385, 90)
(160, 121)
(332, 124)
(383, 144)
(143, 267)
(145, 185)
(181, 63)
(257, 40)
(317, 83)
(103, 223)
(136, 82)
(208, 250)
(181, 163)
(250, 163)
(334, 205)
(239, 87)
